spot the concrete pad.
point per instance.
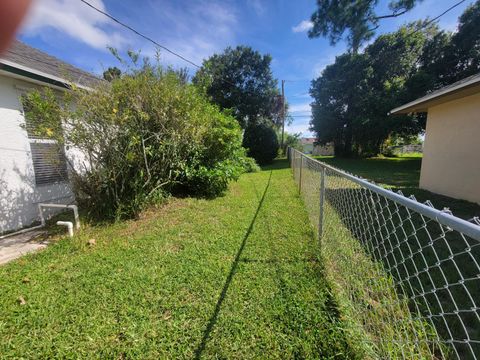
(18, 245)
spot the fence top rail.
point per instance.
(441, 216)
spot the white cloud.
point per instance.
(196, 31)
(304, 25)
(257, 6)
(74, 19)
(299, 126)
(302, 123)
(296, 108)
(320, 65)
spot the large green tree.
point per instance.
(356, 17)
(353, 96)
(338, 95)
(240, 79)
(448, 57)
(392, 59)
(466, 43)
(112, 73)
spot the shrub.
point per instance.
(289, 140)
(143, 135)
(261, 142)
(250, 165)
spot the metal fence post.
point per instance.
(388, 226)
(300, 180)
(322, 204)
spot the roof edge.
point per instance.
(445, 94)
(40, 75)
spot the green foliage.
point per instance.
(143, 135)
(261, 142)
(334, 17)
(240, 79)
(289, 140)
(354, 95)
(338, 96)
(112, 73)
(250, 165)
(448, 57)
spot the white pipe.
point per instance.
(69, 226)
(62, 206)
(42, 219)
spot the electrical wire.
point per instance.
(438, 16)
(153, 41)
(139, 33)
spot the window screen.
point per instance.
(49, 163)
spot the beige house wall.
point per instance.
(451, 153)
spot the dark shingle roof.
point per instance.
(27, 56)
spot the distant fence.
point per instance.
(405, 149)
(406, 274)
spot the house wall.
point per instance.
(19, 195)
(451, 152)
(324, 150)
(307, 148)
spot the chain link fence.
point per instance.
(406, 276)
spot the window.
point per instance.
(49, 160)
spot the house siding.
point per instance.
(19, 195)
(451, 153)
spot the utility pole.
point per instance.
(283, 112)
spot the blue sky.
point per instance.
(198, 28)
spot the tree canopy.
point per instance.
(240, 79)
(353, 96)
(358, 18)
(112, 73)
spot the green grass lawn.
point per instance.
(402, 173)
(353, 220)
(234, 277)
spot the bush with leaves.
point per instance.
(143, 135)
(289, 140)
(260, 140)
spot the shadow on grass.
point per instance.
(461, 208)
(277, 164)
(279, 261)
(233, 269)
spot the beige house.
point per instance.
(451, 152)
(324, 150)
(309, 146)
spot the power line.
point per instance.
(153, 41)
(298, 80)
(439, 16)
(139, 33)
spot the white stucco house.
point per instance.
(27, 177)
(451, 151)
